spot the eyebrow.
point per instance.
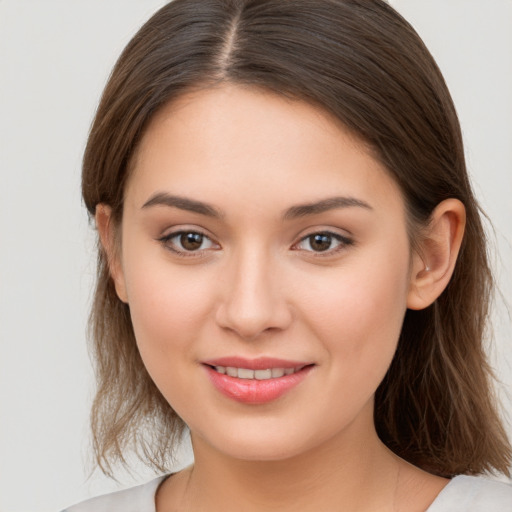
(183, 203)
(301, 210)
(331, 203)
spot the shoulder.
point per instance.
(474, 494)
(135, 499)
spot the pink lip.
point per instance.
(261, 363)
(253, 391)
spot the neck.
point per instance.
(312, 481)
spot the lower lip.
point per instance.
(253, 391)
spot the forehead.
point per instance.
(249, 143)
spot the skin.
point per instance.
(256, 286)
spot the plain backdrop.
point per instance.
(55, 56)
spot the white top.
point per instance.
(462, 494)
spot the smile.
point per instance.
(265, 380)
(247, 373)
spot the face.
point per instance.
(266, 263)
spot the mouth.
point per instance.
(257, 381)
(248, 373)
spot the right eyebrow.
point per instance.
(331, 203)
(183, 203)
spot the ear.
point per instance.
(434, 261)
(109, 241)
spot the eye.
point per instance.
(186, 242)
(323, 242)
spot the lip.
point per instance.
(253, 391)
(260, 363)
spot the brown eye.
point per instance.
(191, 241)
(323, 242)
(320, 242)
(188, 242)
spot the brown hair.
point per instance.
(363, 63)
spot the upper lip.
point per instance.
(260, 363)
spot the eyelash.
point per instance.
(184, 253)
(343, 242)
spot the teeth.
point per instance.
(246, 373)
(232, 372)
(261, 374)
(277, 372)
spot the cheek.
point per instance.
(169, 313)
(169, 306)
(360, 318)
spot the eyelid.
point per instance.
(177, 231)
(344, 242)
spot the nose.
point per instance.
(252, 301)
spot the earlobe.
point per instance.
(107, 234)
(434, 262)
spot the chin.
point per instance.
(261, 443)
(263, 451)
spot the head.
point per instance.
(364, 68)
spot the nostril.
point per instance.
(251, 302)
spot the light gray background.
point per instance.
(55, 56)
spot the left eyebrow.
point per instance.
(324, 205)
(182, 203)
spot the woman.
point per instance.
(292, 264)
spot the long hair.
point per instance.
(363, 63)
